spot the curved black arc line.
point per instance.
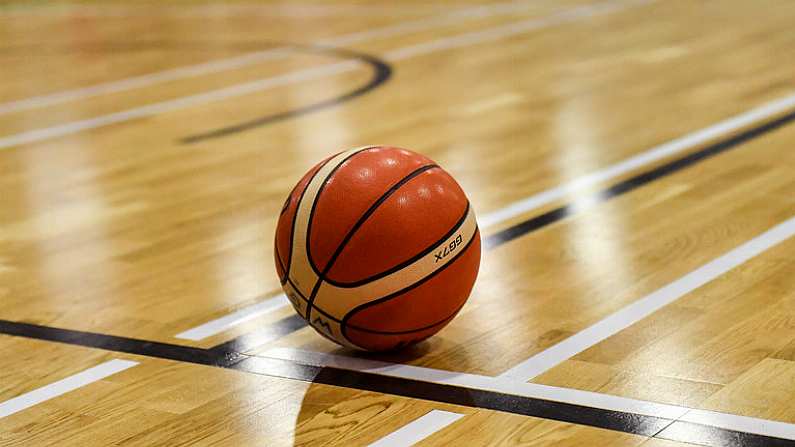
(330, 263)
(382, 72)
(424, 252)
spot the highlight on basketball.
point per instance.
(377, 248)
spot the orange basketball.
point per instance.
(377, 248)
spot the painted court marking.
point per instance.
(64, 386)
(649, 304)
(504, 385)
(700, 137)
(249, 59)
(418, 429)
(234, 91)
(238, 317)
(142, 81)
(474, 381)
(308, 74)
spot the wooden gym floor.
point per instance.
(631, 163)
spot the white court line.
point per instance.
(238, 317)
(223, 10)
(252, 58)
(511, 29)
(175, 104)
(700, 137)
(418, 429)
(727, 421)
(478, 382)
(141, 81)
(63, 386)
(310, 74)
(649, 304)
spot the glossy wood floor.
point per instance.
(114, 221)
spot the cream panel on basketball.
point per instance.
(337, 301)
(300, 272)
(299, 303)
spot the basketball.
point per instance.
(377, 248)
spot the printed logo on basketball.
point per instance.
(294, 299)
(449, 248)
(318, 323)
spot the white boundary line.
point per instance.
(141, 81)
(642, 308)
(63, 386)
(700, 137)
(252, 58)
(479, 382)
(238, 317)
(307, 74)
(727, 421)
(498, 32)
(418, 429)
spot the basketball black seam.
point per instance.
(292, 224)
(455, 228)
(297, 290)
(314, 206)
(287, 202)
(394, 188)
(475, 235)
(373, 331)
(459, 223)
(330, 317)
(279, 260)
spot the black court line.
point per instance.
(630, 184)
(112, 343)
(381, 72)
(625, 422)
(267, 334)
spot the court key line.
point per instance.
(418, 429)
(312, 73)
(64, 386)
(249, 59)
